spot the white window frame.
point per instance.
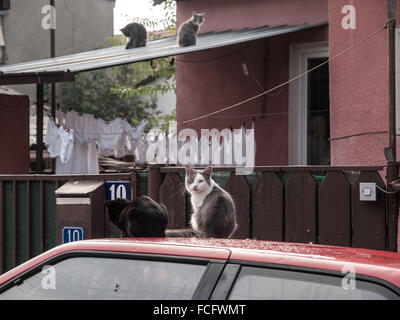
(298, 58)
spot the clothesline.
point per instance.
(265, 92)
(78, 139)
(84, 132)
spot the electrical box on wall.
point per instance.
(368, 191)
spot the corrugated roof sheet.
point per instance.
(114, 56)
(156, 2)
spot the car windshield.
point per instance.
(110, 278)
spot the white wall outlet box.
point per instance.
(368, 191)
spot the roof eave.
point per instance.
(36, 77)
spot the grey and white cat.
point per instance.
(214, 213)
(187, 33)
(137, 34)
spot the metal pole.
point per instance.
(53, 85)
(39, 127)
(392, 165)
(52, 55)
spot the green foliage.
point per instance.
(163, 121)
(127, 90)
(93, 93)
(169, 21)
(143, 82)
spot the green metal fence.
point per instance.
(27, 214)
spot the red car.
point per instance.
(173, 268)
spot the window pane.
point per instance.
(270, 284)
(318, 126)
(108, 278)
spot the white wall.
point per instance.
(80, 26)
(166, 102)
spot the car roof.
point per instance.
(378, 264)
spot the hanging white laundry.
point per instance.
(140, 151)
(84, 159)
(134, 133)
(78, 161)
(112, 138)
(59, 141)
(89, 129)
(93, 136)
(53, 139)
(67, 144)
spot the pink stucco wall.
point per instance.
(210, 80)
(358, 85)
(358, 79)
(238, 14)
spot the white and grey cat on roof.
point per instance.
(136, 33)
(214, 213)
(187, 33)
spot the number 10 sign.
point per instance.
(70, 234)
(118, 189)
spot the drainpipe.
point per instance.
(392, 165)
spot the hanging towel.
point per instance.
(84, 159)
(111, 138)
(59, 141)
(134, 133)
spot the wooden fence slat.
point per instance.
(268, 208)
(49, 215)
(28, 220)
(154, 182)
(239, 189)
(368, 217)
(41, 215)
(15, 222)
(172, 194)
(2, 237)
(134, 179)
(334, 211)
(21, 216)
(300, 213)
(35, 224)
(8, 229)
